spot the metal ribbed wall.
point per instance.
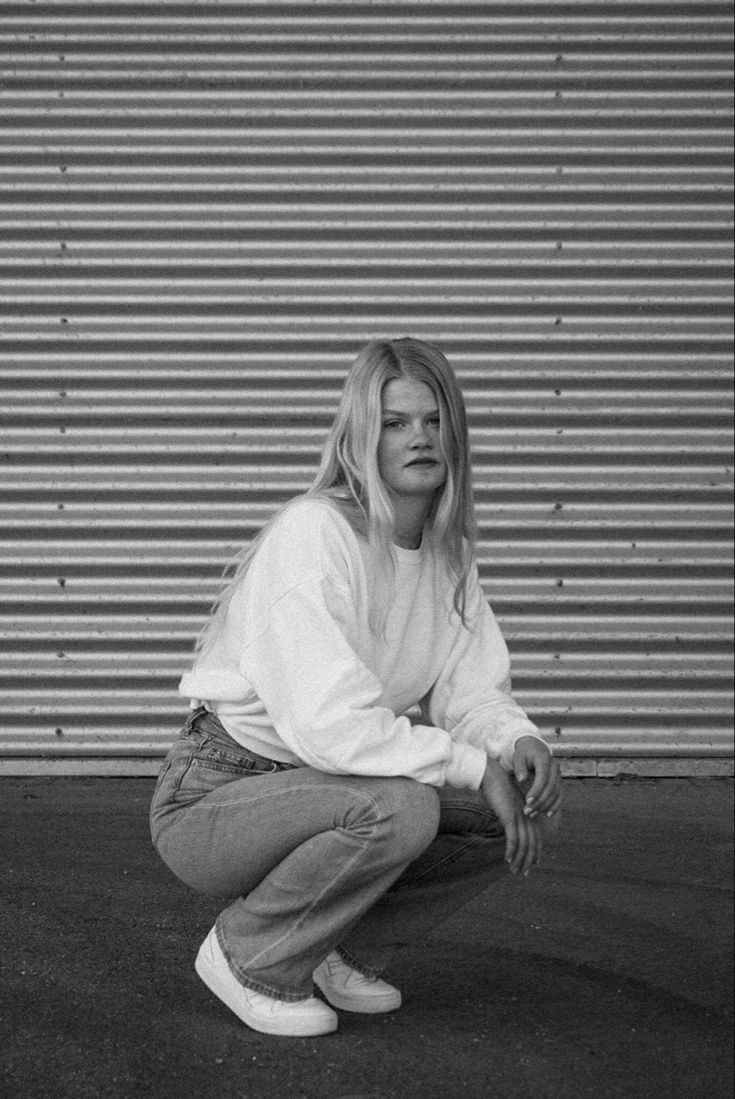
(207, 208)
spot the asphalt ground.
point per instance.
(607, 973)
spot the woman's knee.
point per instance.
(407, 812)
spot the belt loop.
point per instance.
(193, 715)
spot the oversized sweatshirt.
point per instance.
(298, 675)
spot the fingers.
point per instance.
(522, 833)
(545, 794)
(523, 845)
(533, 851)
(555, 804)
(511, 844)
(542, 779)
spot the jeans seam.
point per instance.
(226, 804)
(257, 986)
(182, 775)
(344, 869)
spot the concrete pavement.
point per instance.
(607, 974)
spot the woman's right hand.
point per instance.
(522, 833)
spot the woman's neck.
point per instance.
(410, 517)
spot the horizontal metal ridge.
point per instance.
(472, 70)
(300, 19)
(482, 33)
(325, 375)
(500, 414)
(682, 657)
(711, 601)
(582, 225)
(526, 449)
(274, 342)
(497, 558)
(519, 527)
(75, 578)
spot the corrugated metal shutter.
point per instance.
(207, 208)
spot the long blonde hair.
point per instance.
(349, 475)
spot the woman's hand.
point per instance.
(522, 833)
(537, 774)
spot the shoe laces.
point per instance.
(339, 969)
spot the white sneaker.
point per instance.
(351, 990)
(295, 1019)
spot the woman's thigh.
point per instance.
(222, 832)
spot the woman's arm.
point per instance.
(288, 624)
(471, 698)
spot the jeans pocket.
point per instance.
(211, 765)
(235, 759)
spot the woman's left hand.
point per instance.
(532, 759)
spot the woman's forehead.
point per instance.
(401, 394)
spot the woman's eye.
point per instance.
(393, 423)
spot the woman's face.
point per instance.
(409, 455)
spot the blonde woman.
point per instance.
(353, 769)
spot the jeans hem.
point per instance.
(355, 963)
(287, 995)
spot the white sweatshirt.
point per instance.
(297, 675)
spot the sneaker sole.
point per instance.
(360, 1005)
(295, 1028)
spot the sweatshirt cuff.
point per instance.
(466, 768)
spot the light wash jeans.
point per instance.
(315, 862)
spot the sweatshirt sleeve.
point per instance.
(471, 698)
(323, 701)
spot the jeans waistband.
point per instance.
(202, 722)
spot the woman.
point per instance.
(353, 766)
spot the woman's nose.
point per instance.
(420, 436)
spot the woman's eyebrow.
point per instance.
(395, 412)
